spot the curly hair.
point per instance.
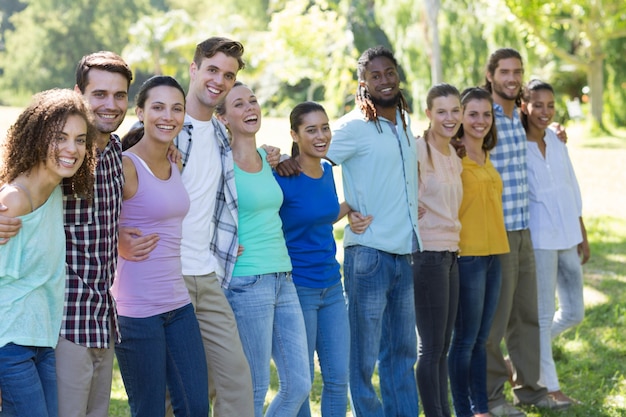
(363, 98)
(29, 139)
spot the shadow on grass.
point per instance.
(591, 358)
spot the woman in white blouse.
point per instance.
(556, 225)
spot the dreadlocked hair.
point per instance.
(363, 98)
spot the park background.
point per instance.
(307, 49)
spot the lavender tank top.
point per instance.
(155, 285)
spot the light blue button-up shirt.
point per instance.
(379, 171)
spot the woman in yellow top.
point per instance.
(483, 238)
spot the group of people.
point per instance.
(181, 250)
(502, 231)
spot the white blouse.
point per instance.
(555, 200)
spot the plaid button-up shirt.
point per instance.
(509, 158)
(91, 231)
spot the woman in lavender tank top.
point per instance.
(161, 347)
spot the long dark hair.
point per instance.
(533, 85)
(477, 93)
(135, 135)
(296, 116)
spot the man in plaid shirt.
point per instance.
(86, 343)
(516, 318)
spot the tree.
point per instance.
(577, 32)
(162, 43)
(432, 12)
(307, 54)
(50, 36)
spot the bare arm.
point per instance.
(9, 226)
(288, 167)
(13, 203)
(358, 222)
(584, 251)
(132, 245)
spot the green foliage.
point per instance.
(162, 43)
(578, 33)
(306, 54)
(50, 36)
(306, 49)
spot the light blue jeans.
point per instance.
(558, 271)
(28, 381)
(328, 333)
(162, 351)
(381, 309)
(271, 326)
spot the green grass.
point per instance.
(591, 359)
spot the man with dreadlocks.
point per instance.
(376, 149)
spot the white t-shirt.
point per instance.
(200, 176)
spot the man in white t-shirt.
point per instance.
(209, 245)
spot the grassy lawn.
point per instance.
(591, 359)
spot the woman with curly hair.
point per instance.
(51, 141)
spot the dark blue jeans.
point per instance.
(479, 282)
(159, 351)
(28, 381)
(436, 291)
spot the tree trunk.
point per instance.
(436, 69)
(595, 78)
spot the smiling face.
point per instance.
(213, 79)
(382, 82)
(506, 80)
(540, 109)
(477, 119)
(313, 134)
(107, 95)
(163, 113)
(242, 113)
(445, 116)
(67, 150)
